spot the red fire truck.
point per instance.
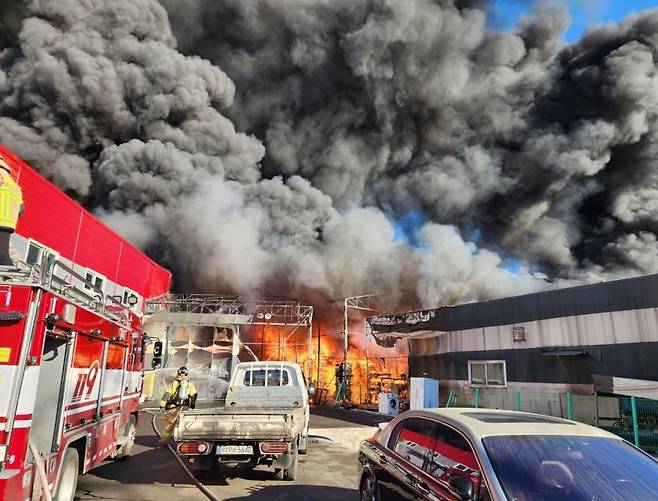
(71, 345)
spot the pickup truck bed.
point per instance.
(247, 424)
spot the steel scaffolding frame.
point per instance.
(283, 312)
(273, 311)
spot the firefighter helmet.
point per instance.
(182, 371)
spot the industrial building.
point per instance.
(595, 338)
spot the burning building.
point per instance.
(367, 361)
(209, 334)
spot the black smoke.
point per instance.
(353, 115)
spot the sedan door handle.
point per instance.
(423, 487)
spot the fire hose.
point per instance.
(41, 471)
(154, 413)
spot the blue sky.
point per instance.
(584, 13)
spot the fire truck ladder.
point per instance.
(45, 275)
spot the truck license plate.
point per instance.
(235, 449)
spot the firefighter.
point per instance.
(11, 207)
(179, 393)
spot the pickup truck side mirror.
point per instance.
(157, 355)
(311, 389)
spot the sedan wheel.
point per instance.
(369, 489)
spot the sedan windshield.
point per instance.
(547, 468)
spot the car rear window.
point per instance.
(259, 377)
(574, 468)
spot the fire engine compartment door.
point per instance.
(46, 419)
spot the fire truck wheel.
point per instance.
(67, 481)
(125, 451)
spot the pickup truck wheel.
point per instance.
(291, 472)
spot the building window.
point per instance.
(96, 279)
(487, 373)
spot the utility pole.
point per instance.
(317, 379)
(345, 327)
(357, 303)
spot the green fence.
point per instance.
(635, 419)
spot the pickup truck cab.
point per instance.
(264, 420)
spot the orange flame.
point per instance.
(319, 362)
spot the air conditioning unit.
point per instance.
(389, 404)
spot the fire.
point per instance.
(319, 358)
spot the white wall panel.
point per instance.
(632, 326)
(648, 324)
(626, 327)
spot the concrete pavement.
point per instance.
(327, 473)
(337, 417)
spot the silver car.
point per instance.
(481, 454)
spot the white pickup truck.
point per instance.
(264, 420)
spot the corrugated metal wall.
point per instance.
(618, 327)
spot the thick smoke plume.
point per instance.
(272, 146)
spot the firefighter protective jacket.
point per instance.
(180, 392)
(11, 200)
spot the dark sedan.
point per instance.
(480, 454)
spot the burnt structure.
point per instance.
(600, 337)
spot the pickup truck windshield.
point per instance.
(543, 468)
(258, 377)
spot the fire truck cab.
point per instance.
(71, 343)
